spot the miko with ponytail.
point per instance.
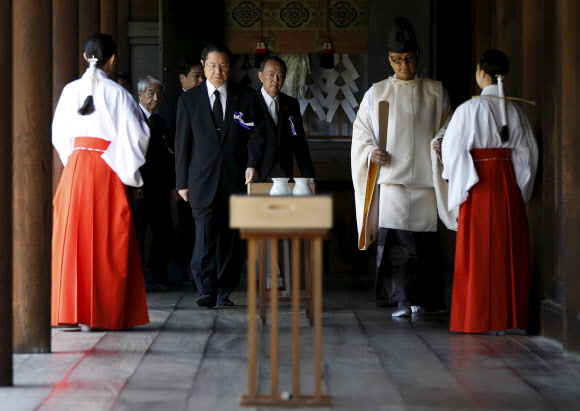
(101, 137)
(490, 157)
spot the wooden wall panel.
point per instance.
(532, 73)
(569, 242)
(6, 197)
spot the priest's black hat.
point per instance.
(402, 37)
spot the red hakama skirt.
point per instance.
(491, 282)
(97, 279)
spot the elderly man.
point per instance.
(402, 213)
(218, 148)
(151, 202)
(285, 137)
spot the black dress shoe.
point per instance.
(206, 300)
(226, 303)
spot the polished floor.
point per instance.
(189, 358)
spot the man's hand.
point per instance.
(437, 146)
(175, 197)
(137, 195)
(379, 157)
(184, 193)
(251, 175)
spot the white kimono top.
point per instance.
(409, 181)
(477, 124)
(116, 118)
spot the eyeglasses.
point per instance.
(279, 76)
(400, 60)
(222, 67)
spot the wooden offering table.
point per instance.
(285, 292)
(296, 219)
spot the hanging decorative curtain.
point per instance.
(296, 26)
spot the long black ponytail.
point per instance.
(496, 64)
(99, 47)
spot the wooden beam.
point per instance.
(6, 198)
(570, 172)
(65, 45)
(32, 172)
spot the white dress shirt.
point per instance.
(223, 89)
(272, 104)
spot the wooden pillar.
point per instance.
(65, 45)
(89, 24)
(109, 22)
(6, 197)
(32, 172)
(570, 172)
(109, 17)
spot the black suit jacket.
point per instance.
(281, 144)
(157, 172)
(168, 111)
(201, 154)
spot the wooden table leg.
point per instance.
(286, 258)
(252, 341)
(296, 317)
(308, 273)
(317, 311)
(263, 244)
(273, 318)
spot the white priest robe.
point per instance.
(411, 188)
(118, 119)
(476, 124)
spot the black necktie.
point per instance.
(218, 112)
(151, 121)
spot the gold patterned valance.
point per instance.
(297, 26)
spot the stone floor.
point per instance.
(195, 359)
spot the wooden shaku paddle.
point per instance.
(367, 238)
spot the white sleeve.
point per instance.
(363, 144)
(62, 133)
(127, 150)
(458, 166)
(524, 156)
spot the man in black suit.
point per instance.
(151, 202)
(218, 148)
(190, 76)
(285, 137)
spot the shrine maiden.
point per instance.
(101, 137)
(490, 157)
